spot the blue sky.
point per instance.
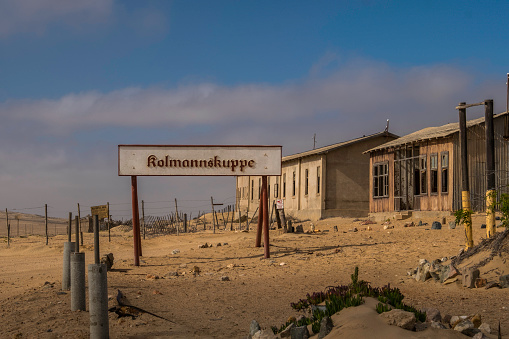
(79, 78)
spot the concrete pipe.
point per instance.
(98, 301)
(78, 301)
(66, 274)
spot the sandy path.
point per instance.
(261, 289)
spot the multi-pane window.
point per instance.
(422, 170)
(293, 184)
(381, 180)
(306, 182)
(284, 185)
(433, 175)
(318, 180)
(444, 165)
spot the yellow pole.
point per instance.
(490, 213)
(465, 200)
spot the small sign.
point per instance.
(280, 204)
(101, 211)
(189, 160)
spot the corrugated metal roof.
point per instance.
(430, 133)
(326, 149)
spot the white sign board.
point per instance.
(280, 204)
(158, 160)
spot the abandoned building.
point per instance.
(324, 182)
(420, 173)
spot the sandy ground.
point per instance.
(204, 306)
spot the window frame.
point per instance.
(380, 174)
(433, 173)
(444, 173)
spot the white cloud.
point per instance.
(35, 15)
(72, 140)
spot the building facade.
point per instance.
(324, 182)
(421, 172)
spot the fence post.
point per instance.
(143, 217)
(213, 213)
(46, 220)
(8, 228)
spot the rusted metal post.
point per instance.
(109, 222)
(8, 227)
(46, 221)
(260, 222)
(69, 228)
(465, 194)
(265, 203)
(213, 213)
(490, 168)
(136, 231)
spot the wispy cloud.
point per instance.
(74, 138)
(34, 16)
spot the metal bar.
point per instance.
(265, 204)
(463, 105)
(136, 234)
(258, 242)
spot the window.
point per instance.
(259, 188)
(293, 184)
(306, 182)
(252, 189)
(276, 189)
(444, 165)
(318, 180)
(381, 180)
(284, 185)
(423, 177)
(433, 175)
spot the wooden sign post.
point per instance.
(191, 160)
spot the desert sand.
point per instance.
(202, 305)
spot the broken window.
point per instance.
(306, 182)
(433, 160)
(444, 164)
(284, 185)
(381, 180)
(423, 177)
(293, 184)
(318, 180)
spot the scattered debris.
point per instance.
(107, 259)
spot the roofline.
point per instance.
(328, 148)
(470, 123)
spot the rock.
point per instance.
(469, 278)
(504, 281)
(400, 318)
(436, 225)
(204, 246)
(461, 251)
(254, 327)
(299, 229)
(225, 278)
(476, 320)
(452, 225)
(485, 328)
(287, 331)
(175, 251)
(423, 272)
(483, 225)
(335, 228)
(107, 259)
(480, 335)
(422, 261)
(492, 284)
(433, 314)
(480, 282)
(353, 229)
(218, 244)
(463, 325)
(421, 326)
(439, 325)
(455, 320)
(299, 332)
(388, 227)
(172, 274)
(326, 326)
(264, 334)
(471, 331)
(225, 244)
